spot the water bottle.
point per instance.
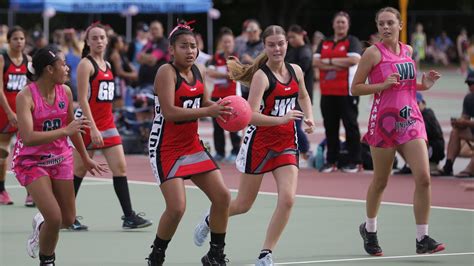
(319, 159)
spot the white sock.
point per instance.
(371, 224)
(421, 231)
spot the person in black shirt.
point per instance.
(299, 52)
(463, 129)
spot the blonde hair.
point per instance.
(244, 72)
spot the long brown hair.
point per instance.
(243, 72)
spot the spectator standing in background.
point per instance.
(337, 58)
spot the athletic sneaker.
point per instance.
(77, 226)
(428, 245)
(29, 201)
(5, 198)
(215, 256)
(352, 168)
(371, 243)
(201, 231)
(135, 221)
(32, 245)
(218, 157)
(265, 261)
(328, 168)
(156, 257)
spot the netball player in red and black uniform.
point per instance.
(13, 65)
(175, 151)
(95, 85)
(270, 142)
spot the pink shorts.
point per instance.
(28, 173)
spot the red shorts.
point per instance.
(110, 136)
(261, 152)
(170, 164)
(26, 172)
(5, 124)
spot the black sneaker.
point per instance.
(405, 170)
(156, 257)
(135, 221)
(352, 168)
(371, 243)
(428, 245)
(215, 256)
(328, 168)
(77, 226)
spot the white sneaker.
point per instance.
(32, 245)
(265, 261)
(201, 231)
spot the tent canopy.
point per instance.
(115, 6)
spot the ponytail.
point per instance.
(244, 73)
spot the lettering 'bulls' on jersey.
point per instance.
(101, 95)
(179, 135)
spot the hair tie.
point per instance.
(182, 26)
(31, 68)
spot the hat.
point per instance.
(37, 35)
(143, 27)
(419, 97)
(470, 77)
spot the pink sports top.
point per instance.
(46, 117)
(395, 117)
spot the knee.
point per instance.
(53, 220)
(286, 202)
(379, 184)
(222, 200)
(423, 181)
(120, 170)
(175, 213)
(243, 207)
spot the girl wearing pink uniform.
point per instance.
(395, 123)
(42, 158)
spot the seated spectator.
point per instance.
(435, 54)
(435, 138)
(446, 45)
(463, 129)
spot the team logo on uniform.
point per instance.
(61, 105)
(405, 112)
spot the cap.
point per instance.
(143, 27)
(37, 35)
(419, 97)
(470, 77)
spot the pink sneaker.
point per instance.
(29, 201)
(5, 198)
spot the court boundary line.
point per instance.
(376, 258)
(390, 203)
(149, 183)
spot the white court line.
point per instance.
(147, 183)
(298, 196)
(376, 258)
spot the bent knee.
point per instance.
(176, 213)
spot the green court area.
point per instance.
(321, 231)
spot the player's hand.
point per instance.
(292, 115)
(220, 110)
(96, 138)
(12, 120)
(77, 126)
(392, 80)
(310, 126)
(94, 167)
(427, 81)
